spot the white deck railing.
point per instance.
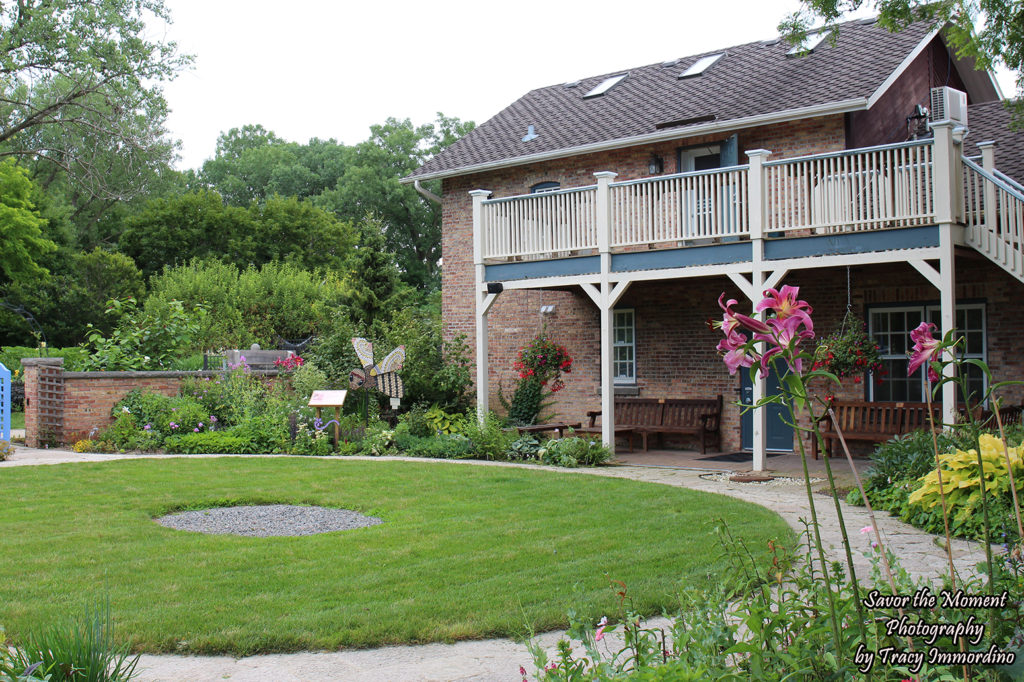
(994, 216)
(542, 224)
(674, 208)
(857, 190)
(852, 191)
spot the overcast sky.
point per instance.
(332, 68)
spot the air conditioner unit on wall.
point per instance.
(949, 104)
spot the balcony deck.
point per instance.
(861, 201)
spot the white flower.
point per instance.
(125, 409)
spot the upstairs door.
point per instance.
(703, 203)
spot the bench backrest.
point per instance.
(865, 417)
(690, 412)
(639, 411)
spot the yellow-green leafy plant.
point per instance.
(961, 478)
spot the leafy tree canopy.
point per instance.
(22, 242)
(991, 31)
(80, 89)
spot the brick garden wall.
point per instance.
(86, 399)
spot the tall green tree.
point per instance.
(990, 31)
(22, 242)
(370, 186)
(80, 89)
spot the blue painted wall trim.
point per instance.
(852, 242)
(738, 252)
(558, 267)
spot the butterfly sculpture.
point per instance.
(383, 377)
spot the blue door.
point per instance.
(779, 434)
(5, 403)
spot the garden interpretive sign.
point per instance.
(335, 399)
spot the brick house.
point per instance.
(614, 210)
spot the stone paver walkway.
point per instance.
(499, 660)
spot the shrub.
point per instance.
(489, 440)
(210, 442)
(962, 482)
(74, 357)
(143, 340)
(525, 449)
(443, 446)
(83, 445)
(909, 456)
(311, 442)
(442, 422)
(279, 300)
(306, 379)
(125, 433)
(6, 450)
(574, 451)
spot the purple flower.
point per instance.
(173, 425)
(213, 418)
(147, 427)
(196, 429)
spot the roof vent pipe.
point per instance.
(530, 134)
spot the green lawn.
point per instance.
(17, 420)
(464, 551)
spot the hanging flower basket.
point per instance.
(849, 351)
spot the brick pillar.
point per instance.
(44, 401)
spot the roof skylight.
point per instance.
(606, 85)
(812, 41)
(701, 65)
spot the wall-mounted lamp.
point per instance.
(547, 310)
(656, 165)
(495, 287)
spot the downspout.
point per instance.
(426, 193)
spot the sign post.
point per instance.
(335, 399)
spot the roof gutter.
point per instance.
(425, 193)
(830, 108)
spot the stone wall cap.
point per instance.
(160, 374)
(32, 362)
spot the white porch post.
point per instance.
(758, 200)
(483, 302)
(604, 247)
(988, 162)
(948, 195)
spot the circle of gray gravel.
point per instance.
(268, 520)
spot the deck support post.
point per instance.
(483, 300)
(948, 198)
(758, 203)
(606, 305)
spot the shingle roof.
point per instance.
(991, 121)
(755, 79)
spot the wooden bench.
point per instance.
(878, 422)
(646, 416)
(872, 422)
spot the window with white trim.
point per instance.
(890, 326)
(624, 345)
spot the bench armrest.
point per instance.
(592, 416)
(710, 421)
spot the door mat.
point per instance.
(736, 457)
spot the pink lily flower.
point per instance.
(786, 334)
(733, 320)
(599, 635)
(925, 347)
(785, 303)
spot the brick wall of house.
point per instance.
(515, 316)
(87, 398)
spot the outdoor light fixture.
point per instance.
(656, 165)
(547, 310)
(495, 287)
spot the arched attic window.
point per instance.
(549, 186)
